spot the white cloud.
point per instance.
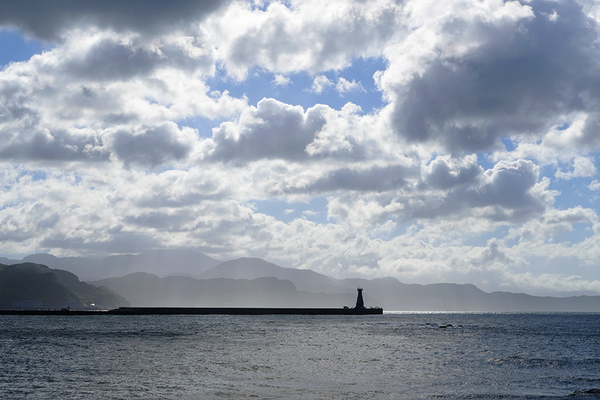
(50, 21)
(117, 139)
(312, 35)
(320, 83)
(449, 80)
(582, 167)
(281, 80)
(270, 130)
(344, 86)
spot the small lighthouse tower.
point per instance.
(360, 304)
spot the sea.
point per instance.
(389, 356)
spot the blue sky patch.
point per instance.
(16, 48)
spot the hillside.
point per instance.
(157, 262)
(143, 289)
(398, 296)
(35, 282)
(253, 268)
(191, 278)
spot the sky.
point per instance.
(453, 141)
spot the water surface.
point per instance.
(395, 356)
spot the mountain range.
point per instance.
(188, 278)
(157, 262)
(37, 284)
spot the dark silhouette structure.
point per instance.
(360, 304)
(360, 309)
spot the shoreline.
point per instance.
(199, 311)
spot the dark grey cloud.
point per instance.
(49, 222)
(15, 236)
(505, 190)
(440, 174)
(56, 145)
(518, 82)
(273, 130)
(376, 179)
(151, 147)
(48, 19)
(110, 60)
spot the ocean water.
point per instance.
(390, 356)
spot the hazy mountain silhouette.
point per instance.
(168, 277)
(158, 262)
(142, 289)
(8, 261)
(35, 282)
(253, 268)
(398, 296)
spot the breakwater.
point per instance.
(200, 311)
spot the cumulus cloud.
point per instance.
(507, 192)
(376, 179)
(446, 172)
(125, 135)
(311, 35)
(489, 73)
(281, 80)
(48, 21)
(270, 130)
(320, 83)
(62, 105)
(152, 146)
(44, 145)
(582, 167)
(345, 86)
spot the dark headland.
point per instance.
(359, 309)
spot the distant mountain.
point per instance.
(253, 268)
(143, 289)
(398, 296)
(149, 290)
(169, 277)
(158, 262)
(8, 261)
(35, 282)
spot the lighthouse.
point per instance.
(360, 304)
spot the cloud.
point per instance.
(44, 145)
(582, 167)
(123, 243)
(594, 185)
(480, 76)
(64, 104)
(344, 86)
(375, 179)
(320, 83)
(152, 146)
(133, 132)
(446, 172)
(507, 192)
(281, 80)
(109, 60)
(313, 36)
(570, 216)
(173, 221)
(271, 130)
(48, 21)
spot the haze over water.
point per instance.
(399, 356)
